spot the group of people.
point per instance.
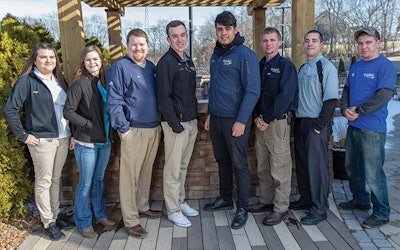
(133, 97)
(313, 95)
(138, 99)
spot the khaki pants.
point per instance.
(274, 164)
(178, 151)
(48, 159)
(138, 152)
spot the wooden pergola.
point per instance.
(72, 34)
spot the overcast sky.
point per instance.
(35, 8)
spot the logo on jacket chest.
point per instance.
(187, 67)
(227, 61)
(276, 70)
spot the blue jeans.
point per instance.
(365, 155)
(231, 154)
(92, 163)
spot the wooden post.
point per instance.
(302, 21)
(258, 27)
(114, 34)
(71, 35)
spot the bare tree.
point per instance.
(49, 20)
(203, 46)
(281, 19)
(158, 43)
(96, 26)
(388, 9)
(127, 26)
(339, 20)
(381, 14)
(329, 22)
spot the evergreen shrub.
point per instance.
(16, 185)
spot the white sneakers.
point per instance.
(187, 210)
(179, 219)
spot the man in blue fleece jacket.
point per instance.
(234, 91)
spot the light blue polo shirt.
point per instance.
(310, 90)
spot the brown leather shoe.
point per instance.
(106, 222)
(151, 214)
(274, 218)
(260, 207)
(137, 231)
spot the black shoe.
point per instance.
(219, 204)
(373, 222)
(54, 232)
(64, 224)
(240, 218)
(313, 219)
(352, 205)
(299, 205)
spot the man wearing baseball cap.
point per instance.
(369, 87)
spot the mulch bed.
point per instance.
(14, 231)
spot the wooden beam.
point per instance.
(115, 4)
(114, 34)
(258, 28)
(302, 22)
(71, 35)
(110, 4)
(262, 3)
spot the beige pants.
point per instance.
(48, 159)
(274, 164)
(178, 151)
(138, 152)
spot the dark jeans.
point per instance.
(365, 155)
(231, 154)
(312, 164)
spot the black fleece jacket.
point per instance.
(84, 109)
(176, 89)
(33, 95)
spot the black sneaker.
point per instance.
(299, 205)
(219, 204)
(54, 232)
(64, 224)
(313, 219)
(373, 222)
(352, 205)
(240, 218)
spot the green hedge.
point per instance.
(16, 185)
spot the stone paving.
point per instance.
(387, 236)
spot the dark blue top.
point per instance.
(234, 84)
(131, 95)
(279, 92)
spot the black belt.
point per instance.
(282, 116)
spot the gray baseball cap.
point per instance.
(367, 30)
